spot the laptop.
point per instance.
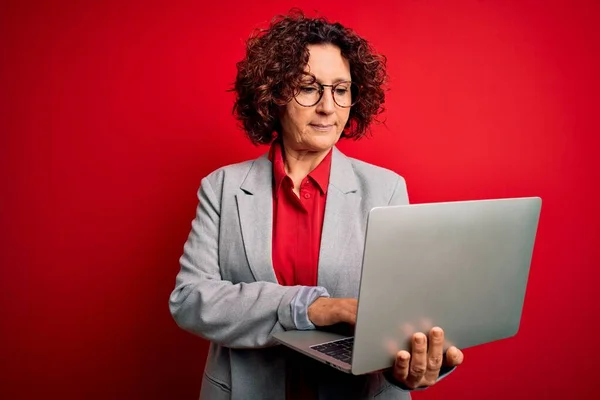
(459, 265)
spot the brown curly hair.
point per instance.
(273, 69)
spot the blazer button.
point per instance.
(307, 195)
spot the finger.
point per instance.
(454, 357)
(435, 355)
(418, 360)
(401, 365)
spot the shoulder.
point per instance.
(369, 172)
(379, 182)
(375, 176)
(232, 176)
(231, 171)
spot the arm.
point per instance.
(305, 297)
(243, 315)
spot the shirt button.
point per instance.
(307, 195)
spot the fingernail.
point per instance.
(437, 332)
(420, 339)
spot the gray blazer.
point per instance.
(226, 290)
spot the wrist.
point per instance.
(301, 304)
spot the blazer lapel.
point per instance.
(255, 208)
(341, 210)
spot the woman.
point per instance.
(277, 241)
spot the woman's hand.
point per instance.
(418, 368)
(421, 367)
(326, 311)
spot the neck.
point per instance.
(300, 163)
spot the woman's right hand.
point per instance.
(326, 311)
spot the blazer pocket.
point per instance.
(213, 388)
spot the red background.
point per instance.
(111, 114)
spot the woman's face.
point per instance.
(318, 128)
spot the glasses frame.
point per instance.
(333, 86)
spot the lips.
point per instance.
(322, 127)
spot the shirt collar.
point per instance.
(320, 175)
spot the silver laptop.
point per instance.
(461, 265)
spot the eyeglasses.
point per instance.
(345, 94)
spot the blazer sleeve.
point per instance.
(243, 315)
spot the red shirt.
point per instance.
(297, 221)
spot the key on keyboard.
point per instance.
(339, 349)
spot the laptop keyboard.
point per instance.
(339, 349)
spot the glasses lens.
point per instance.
(345, 94)
(308, 95)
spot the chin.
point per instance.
(323, 143)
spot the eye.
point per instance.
(308, 89)
(341, 91)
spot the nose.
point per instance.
(326, 105)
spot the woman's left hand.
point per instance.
(421, 367)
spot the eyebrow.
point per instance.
(337, 80)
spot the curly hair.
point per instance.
(269, 75)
